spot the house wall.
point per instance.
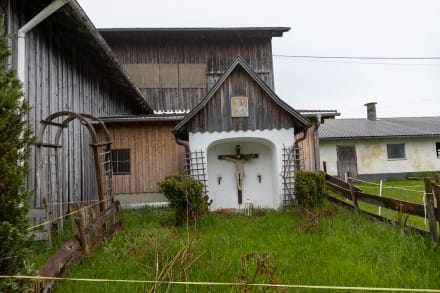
(212, 55)
(372, 156)
(153, 155)
(268, 143)
(62, 76)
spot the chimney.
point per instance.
(371, 111)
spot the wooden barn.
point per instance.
(65, 65)
(156, 90)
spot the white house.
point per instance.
(379, 148)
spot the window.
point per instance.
(121, 162)
(437, 149)
(396, 151)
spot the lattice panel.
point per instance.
(195, 166)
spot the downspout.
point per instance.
(296, 147)
(316, 143)
(185, 144)
(21, 35)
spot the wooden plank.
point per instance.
(393, 204)
(60, 262)
(374, 217)
(339, 190)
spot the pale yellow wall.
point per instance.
(372, 155)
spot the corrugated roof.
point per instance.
(143, 118)
(322, 113)
(385, 127)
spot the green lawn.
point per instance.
(408, 190)
(290, 247)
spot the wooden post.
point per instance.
(437, 196)
(430, 210)
(353, 193)
(324, 167)
(99, 181)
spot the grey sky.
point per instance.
(385, 28)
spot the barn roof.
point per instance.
(301, 121)
(380, 128)
(193, 33)
(72, 19)
(154, 118)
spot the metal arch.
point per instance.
(90, 122)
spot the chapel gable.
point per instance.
(241, 101)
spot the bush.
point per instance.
(310, 188)
(15, 140)
(186, 197)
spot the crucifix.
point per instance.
(238, 158)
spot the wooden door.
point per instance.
(347, 161)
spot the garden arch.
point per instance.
(49, 189)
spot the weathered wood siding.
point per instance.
(215, 54)
(264, 113)
(62, 76)
(307, 148)
(153, 155)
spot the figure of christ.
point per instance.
(238, 158)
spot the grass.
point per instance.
(337, 248)
(408, 190)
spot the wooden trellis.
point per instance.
(48, 148)
(195, 166)
(290, 162)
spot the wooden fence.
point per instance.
(90, 227)
(355, 195)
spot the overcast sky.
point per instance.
(369, 28)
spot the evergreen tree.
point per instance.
(15, 140)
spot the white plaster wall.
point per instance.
(268, 144)
(372, 155)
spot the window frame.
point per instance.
(121, 166)
(396, 158)
(437, 150)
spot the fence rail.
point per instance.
(349, 192)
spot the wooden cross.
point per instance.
(238, 158)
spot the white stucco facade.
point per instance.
(420, 155)
(262, 183)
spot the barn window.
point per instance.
(437, 149)
(121, 161)
(396, 151)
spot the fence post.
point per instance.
(437, 196)
(352, 192)
(430, 209)
(324, 167)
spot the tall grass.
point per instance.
(340, 249)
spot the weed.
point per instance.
(256, 268)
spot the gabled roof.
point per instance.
(380, 128)
(239, 61)
(72, 20)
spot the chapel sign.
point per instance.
(239, 107)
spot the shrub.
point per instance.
(186, 197)
(310, 188)
(15, 140)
